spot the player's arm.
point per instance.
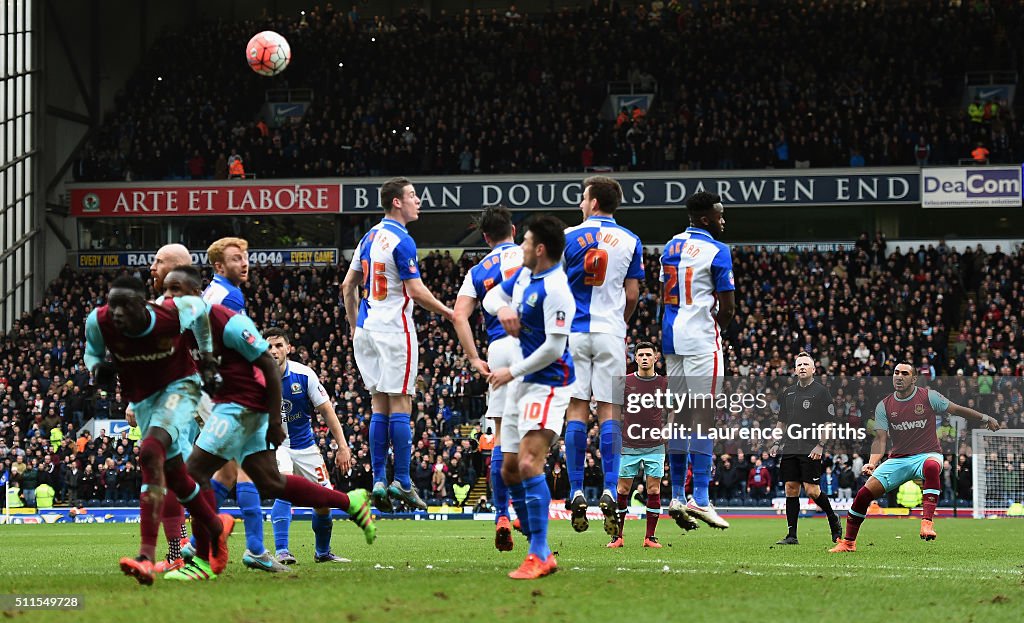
(464, 306)
(498, 302)
(193, 314)
(350, 291)
(965, 412)
(322, 404)
(559, 309)
(773, 450)
(725, 287)
(634, 275)
(242, 336)
(881, 439)
(408, 271)
(103, 372)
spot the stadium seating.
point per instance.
(738, 85)
(964, 306)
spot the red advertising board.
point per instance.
(186, 199)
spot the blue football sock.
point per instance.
(538, 499)
(252, 516)
(281, 517)
(701, 450)
(401, 442)
(517, 494)
(379, 447)
(575, 453)
(498, 488)
(219, 491)
(611, 452)
(322, 526)
(678, 462)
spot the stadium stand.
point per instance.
(735, 86)
(965, 307)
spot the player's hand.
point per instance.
(449, 314)
(275, 434)
(509, 320)
(212, 379)
(343, 459)
(774, 450)
(480, 366)
(129, 414)
(868, 469)
(500, 377)
(816, 452)
(991, 423)
(104, 375)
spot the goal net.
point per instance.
(998, 472)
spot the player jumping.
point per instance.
(503, 350)
(535, 305)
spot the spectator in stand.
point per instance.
(759, 481)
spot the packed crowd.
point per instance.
(737, 85)
(858, 311)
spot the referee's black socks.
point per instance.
(826, 504)
(793, 513)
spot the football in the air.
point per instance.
(268, 53)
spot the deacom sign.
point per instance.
(824, 187)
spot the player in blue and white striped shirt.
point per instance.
(604, 263)
(502, 262)
(536, 306)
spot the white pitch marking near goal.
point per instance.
(995, 486)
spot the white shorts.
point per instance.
(538, 407)
(388, 362)
(600, 363)
(205, 407)
(308, 463)
(695, 374)
(502, 354)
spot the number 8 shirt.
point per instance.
(385, 342)
(599, 256)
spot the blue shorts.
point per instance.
(894, 472)
(173, 409)
(650, 462)
(233, 432)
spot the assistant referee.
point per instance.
(807, 403)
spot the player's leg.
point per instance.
(501, 353)
(250, 504)
(811, 479)
(541, 412)
(629, 467)
(655, 470)
(678, 445)
(309, 464)
(210, 529)
(401, 444)
(792, 503)
(930, 472)
(281, 512)
(368, 361)
(608, 370)
(262, 468)
(874, 488)
(223, 482)
(510, 465)
(703, 378)
(577, 416)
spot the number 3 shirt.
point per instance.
(386, 256)
(599, 256)
(694, 269)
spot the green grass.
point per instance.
(449, 571)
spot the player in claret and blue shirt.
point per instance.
(536, 306)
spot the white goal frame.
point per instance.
(979, 458)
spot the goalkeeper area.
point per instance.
(998, 473)
(448, 571)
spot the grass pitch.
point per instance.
(421, 571)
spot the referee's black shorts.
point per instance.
(800, 468)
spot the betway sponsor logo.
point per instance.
(903, 426)
(151, 357)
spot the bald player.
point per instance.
(167, 258)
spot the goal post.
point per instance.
(996, 471)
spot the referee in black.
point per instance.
(807, 404)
